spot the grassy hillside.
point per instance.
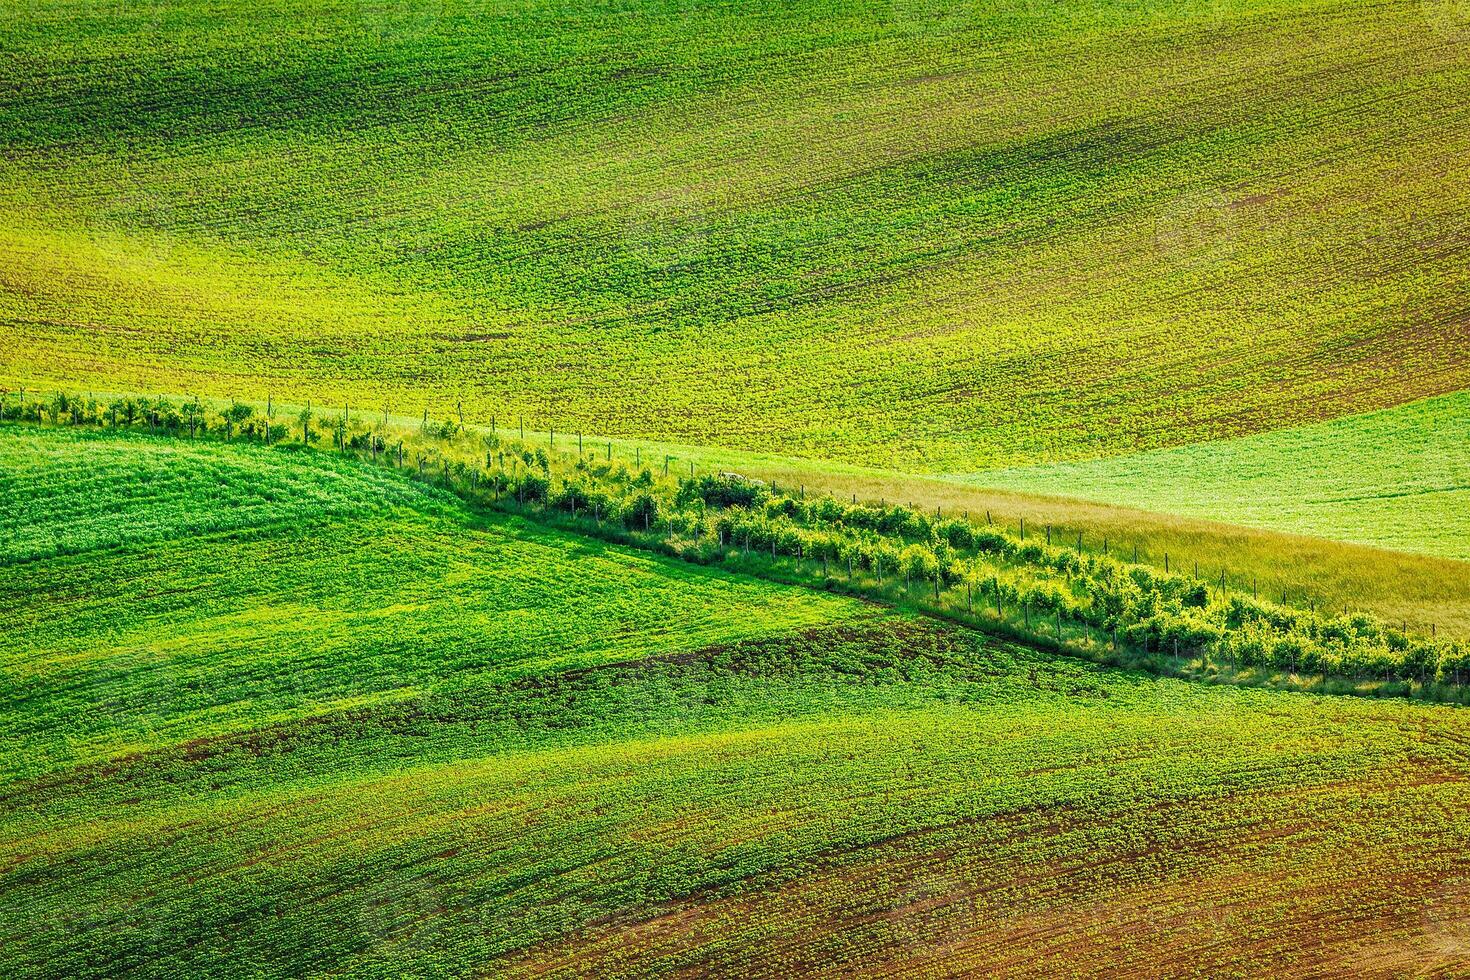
(1398, 478)
(904, 232)
(156, 592)
(390, 739)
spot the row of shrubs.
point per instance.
(1125, 603)
(1117, 602)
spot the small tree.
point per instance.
(236, 415)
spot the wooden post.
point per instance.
(969, 598)
(1048, 535)
(1023, 529)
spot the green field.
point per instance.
(128, 619)
(367, 733)
(907, 233)
(666, 488)
(1398, 478)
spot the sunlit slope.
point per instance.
(906, 233)
(1398, 478)
(157, 592)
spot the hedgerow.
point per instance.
(1076, 600)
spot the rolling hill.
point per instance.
(390, 738)
(1021, 529)
(918, 235)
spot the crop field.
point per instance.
(365, 742)
(1399, 479)
(734, 488)
(128, 620)
(905, 233)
